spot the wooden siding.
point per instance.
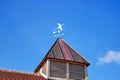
(57, 69)
(76, 72)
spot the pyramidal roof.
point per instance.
(62, 51)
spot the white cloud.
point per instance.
(111, 56)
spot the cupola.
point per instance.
(63, 63)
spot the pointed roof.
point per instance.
(62, 51)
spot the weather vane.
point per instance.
(58, 32)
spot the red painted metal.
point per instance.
(65, 50)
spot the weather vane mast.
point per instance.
(58, 32)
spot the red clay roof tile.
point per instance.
(13, 75)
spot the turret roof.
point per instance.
(62, 51)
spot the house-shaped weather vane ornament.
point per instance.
(58, 32)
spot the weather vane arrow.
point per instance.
(58, 32)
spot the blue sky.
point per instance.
(91, 27)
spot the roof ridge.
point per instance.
(74, 50)
(13, 71)
(69, 46)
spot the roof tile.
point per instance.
(13, 75)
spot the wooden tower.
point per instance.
(63, 63)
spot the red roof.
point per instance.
(13, 75)
(62, 51)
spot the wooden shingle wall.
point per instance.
(67, 71)
(57, 69)
(76, 71)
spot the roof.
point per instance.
(13, 75)
(62, 51)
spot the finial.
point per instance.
(58, 32)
